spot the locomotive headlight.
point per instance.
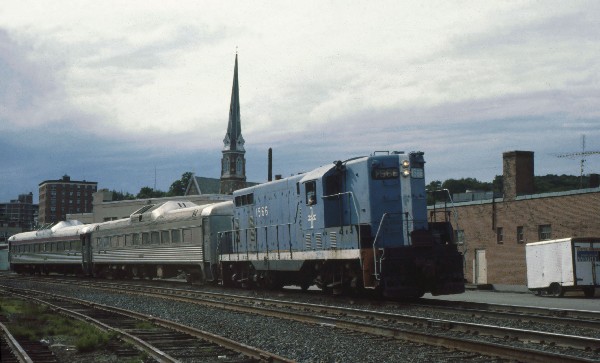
(405, 172)
(405, 163)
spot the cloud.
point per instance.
(131, 85)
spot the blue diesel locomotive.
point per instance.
(347, 227)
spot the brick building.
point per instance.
(494, 231)
(61, 197)
(19, 215)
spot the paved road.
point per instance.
(572, 300)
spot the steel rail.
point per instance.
(152, 351)
(589, 315)
(468, 328)
(509, 352)
(571, 341)
(160, 356)
(515, 315)
(20, 353)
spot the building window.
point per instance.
(499, 235)
(544, 232)
(460, 236)
(520, 237)
(239, 166)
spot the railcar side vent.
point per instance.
(308, 241)
(319, 241)
(333, 239)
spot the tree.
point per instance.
(122, 196)
(464, 184)
(179, 186)
(147, 192)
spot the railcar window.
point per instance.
(135, 238)
(176, 236)
(154, 238)
(311, 192)
(187, 236)
(127, 239)
(120, 241)
(76, 245)
(145, 238)
(165, 237)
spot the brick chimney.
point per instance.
(517, 173)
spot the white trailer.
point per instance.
(566, 264)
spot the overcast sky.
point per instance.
(110, 91)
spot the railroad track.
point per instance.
(505, 342)
(162, 340)
(574, 318)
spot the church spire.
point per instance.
(233, 139)
(233, 171)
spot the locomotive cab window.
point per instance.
(245, 199)
(311, 192)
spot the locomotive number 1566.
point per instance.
(262, 211)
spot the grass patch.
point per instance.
(35, 322)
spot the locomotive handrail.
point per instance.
(377, 235)
(240, 230)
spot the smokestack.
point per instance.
(270, 175)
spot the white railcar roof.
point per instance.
(223, 208)
(61, 229)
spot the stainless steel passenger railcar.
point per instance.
(164, 240)
(353, 225)
(56, 249)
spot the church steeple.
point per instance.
(233, 139)
(233, 170)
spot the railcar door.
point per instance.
(208, 257)
(86, 253)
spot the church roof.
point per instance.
(202, 185)
(233, 139)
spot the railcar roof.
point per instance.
(61, 229)
(223, 208)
